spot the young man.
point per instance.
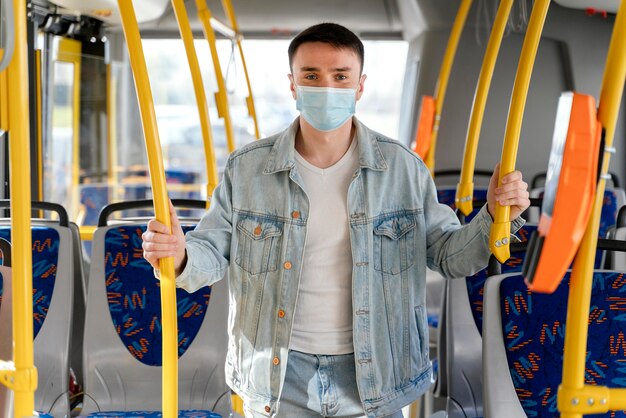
(326, 230)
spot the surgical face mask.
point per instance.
(325, 108)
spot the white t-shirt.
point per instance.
(323, 317)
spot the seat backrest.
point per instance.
(447, 194)
(619, 258)
(614, 199)
(53, 287)
(523, 340)
(122, 346)
(464, 340)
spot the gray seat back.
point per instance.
(117, 374)
(53, 295)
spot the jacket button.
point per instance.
(287, 265)
(281, 313)
(276, 361)
(295, 214)
(267, 409)
(258, 230)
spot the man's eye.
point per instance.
(342, 77)
(310, 76)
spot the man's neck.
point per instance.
(323, 149)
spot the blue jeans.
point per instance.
(320, 386)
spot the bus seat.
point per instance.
(523, 339)
(616, 259)
(464, 336)
(53, 292)
(122, 347)
(614, 199)
(447, 194)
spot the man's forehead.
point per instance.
(317, 54)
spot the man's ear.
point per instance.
(292, 85)
(359, 91)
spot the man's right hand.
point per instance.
(159, 243)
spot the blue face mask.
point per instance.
(325, 108)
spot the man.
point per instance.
(326, 230)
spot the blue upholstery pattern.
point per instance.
(476, 283)
(45, 242)
(134, 298)
(608, 217)
(446, 196)
(181, 414)
(533, 327)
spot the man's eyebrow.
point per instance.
(338, 69)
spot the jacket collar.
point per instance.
(282, 155)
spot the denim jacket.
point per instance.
(256, 231)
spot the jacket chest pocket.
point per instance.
(258, 246)
(394, 243)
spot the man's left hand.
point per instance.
(513, 192)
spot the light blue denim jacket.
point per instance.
(256, 230)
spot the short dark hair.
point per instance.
(329, 33)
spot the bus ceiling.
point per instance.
(372, 19)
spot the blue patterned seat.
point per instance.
(123, 338)
(524, 340)
(476, 283)
(463, 343)
(53, 287)
(447, 194)
(181, 414)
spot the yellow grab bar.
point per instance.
(230, 12)
(465, 188)
(39, 113)
(70, 51)
(221, 97)
(21, 374)
(203, 109)
(573, 394)
(501, 228)
(161, 206)
(444, 76)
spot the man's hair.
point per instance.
(328, 33)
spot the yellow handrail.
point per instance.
(465, 188)
(444, 76)
(221, 97)
(574, 397)
(203, 109)
(20, 375)
(501, 228)
(161, 206)
(230, 12)
(70, 51)
(39, 98)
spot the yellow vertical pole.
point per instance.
(70, 51)
(221, 97)
(111, 92)
(465, 188)
(161, 205)
(572, 386)
(230, 12)
(444, 76)
(25, 376)
(38, 90)
(203, 109)
(501, 228)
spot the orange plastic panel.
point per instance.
(567, 206)
(424, 135)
